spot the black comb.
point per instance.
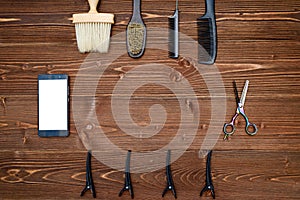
(207, 35)
(173, 33)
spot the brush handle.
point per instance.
(136, 7)
(93, 6)
(210, 8)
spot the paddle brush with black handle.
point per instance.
(207, 35)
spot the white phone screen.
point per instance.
(53, 104)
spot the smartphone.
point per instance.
(53, 105)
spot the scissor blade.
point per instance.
(244, 94)
(236, 93)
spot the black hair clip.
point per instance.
(170, 183)
(208, 182)
(127, 183)
(89, 179)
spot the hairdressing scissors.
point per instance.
(240, 110)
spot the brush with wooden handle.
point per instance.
(93, 29)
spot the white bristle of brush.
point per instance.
(93, 29)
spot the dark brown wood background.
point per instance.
(258, 40)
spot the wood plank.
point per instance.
(68, 6)
(255, 175)
(55, 33)
(279, 133)
(270, 78)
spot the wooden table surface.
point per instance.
(257, 40)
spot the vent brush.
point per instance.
(207, 35)
(173, 33)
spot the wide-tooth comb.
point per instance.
(173, 33)
(207, 35)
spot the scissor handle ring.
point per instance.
(225, 129)
(254, 129)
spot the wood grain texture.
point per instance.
(252, 176)
(257, 40)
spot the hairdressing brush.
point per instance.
(136, 32)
